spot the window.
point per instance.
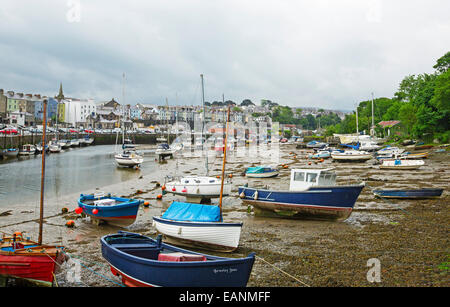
(299, 176)
(311, 177)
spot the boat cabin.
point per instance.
(302, 179)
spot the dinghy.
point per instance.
(410, 193)
(261, 172)
(112, 210)
(188, 224)
(144, 262)
(401, 164)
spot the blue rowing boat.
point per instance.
(312, 194)
(416, 193)
(106, 208)
(142, 262)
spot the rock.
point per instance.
(5, 213)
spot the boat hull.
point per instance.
(134, 263)
(217, 236)
(128, 162)
(197, 190)
(351, 157)
(122, 214)
(262, 175)
(335, 203)
(419, 193)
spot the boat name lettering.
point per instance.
(230, 270)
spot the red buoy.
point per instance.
(78, 210)
(95, 211)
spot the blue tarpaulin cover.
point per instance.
(192, 212)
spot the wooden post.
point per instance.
(41, 216)
(224, 160)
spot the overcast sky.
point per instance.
(322, 53)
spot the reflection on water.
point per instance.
(72, 171)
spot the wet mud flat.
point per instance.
(409, 238)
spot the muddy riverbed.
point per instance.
(409, 238)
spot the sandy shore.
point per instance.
(408, 237)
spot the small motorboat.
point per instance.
(74, 143)
(54, 147)
(64, 144)
(351, 155)
(312, 193)
(144, 262)
(163, 151)
(390, 150)
(261, 172)
(106, 208)
(410, 193)
(315, 144)
(408, 155)
(401, 164)
(27, 150)
(128, 158)
(10, 152)
(321, 154)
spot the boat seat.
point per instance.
(180, 257)
(138, 245)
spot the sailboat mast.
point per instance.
(357, 129)
(373, 126)
(203, 124)
(41, 210)
(123, 110)
(224, 160)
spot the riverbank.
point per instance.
(408, 237)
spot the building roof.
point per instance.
(389, 123)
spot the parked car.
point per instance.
(9, 131)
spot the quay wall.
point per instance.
(99, 139)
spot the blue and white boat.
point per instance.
(321, 154)
(410, 193)
(144, 262)
(202, 226)
(313, 193)
(316, 144)
(106, 208)
(261, 172)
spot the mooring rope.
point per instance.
(283, 272)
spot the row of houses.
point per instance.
(27, 110)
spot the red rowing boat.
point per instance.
(21, 258)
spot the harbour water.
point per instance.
(73, 171)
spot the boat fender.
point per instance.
(242, 195)
(179, 230)
(255, 197)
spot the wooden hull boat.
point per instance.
(25, 259)
(144, 262)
